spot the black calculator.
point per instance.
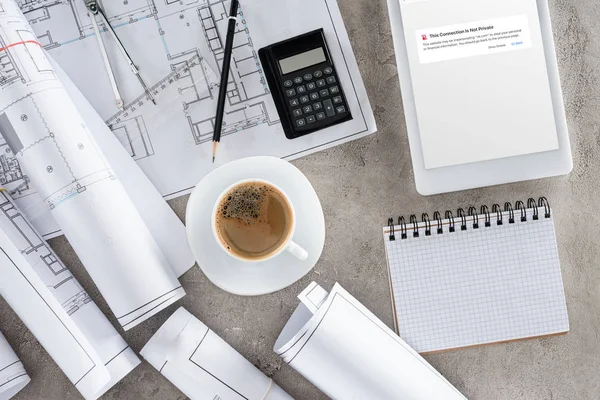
(304, 84)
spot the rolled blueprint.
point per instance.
(13, 376)
(56, 309)
(203, 366)
(348, 353)
(55, 147)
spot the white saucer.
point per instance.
(247, 279)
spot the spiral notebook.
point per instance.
(476, 277)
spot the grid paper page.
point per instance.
(477, 286)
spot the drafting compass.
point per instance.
(95, 11)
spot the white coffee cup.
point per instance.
(288, 245)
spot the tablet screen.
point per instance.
(480, 79)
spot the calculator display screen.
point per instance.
(302, 60)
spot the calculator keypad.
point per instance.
(314, 97)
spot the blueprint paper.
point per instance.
(178, 46)
(54, 146)
(348, 353)
(13, 376)
(203, 366)
(45, 317)
(27, 255)
(166, 228)
(162, 222)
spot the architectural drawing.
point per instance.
(44, 140)
(133, 135)
(10, 170)
(203, 366)
(56, 140)
(59, 313)
(8, 70)
(178, 46)
(247, 86)
(197, 87)
(46, 264)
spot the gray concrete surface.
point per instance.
(360, 184)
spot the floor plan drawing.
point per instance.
(178, 46)
(10, 170)
(8, 70)
(132, 133)
(197, 86)
(46, 264)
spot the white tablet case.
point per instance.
(492, 172)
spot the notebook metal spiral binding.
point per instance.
(472, 214)
(425, 220)
(475, 216)
(463, 219)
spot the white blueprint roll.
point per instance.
(348, 353)
(203, 366)
(13, 376)
(34, 282)
(63, 161)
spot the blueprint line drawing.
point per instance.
(203, 366)
(197, 85)
(178, 47)
(36, 283)
(133, 135)
(46, 264)
(59, 149)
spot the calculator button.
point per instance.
(300, 122)
(304, 99)
(318, 74)
(321, 83)
(314, 96)
(334, 90)
(337, 99)
(340, 109)
(307, 109)
(311, 86)
(298, 80)
(310, 119)
(328, 70)
(294, 103)
(288, 83)
(324, 93)
(320, 115)
(317, 106)
(297, 112)
(290, 92)
(301, 89)
(331, 79)
(329, 108)
(308, 77)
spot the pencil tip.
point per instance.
(213, 159)
(154, 101)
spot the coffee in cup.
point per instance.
(253, 220)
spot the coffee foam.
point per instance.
(245, 203)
